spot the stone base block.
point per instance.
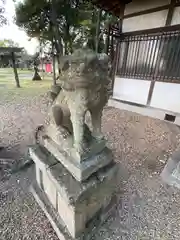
(50, 212)
(80, 170)
(91, 146)
(75, 209)
(171, 172)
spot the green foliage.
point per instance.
(70, 24)
(2, 43)
(3, 20)
(8, 43)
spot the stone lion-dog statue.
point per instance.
(83, 87)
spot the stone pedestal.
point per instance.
(76, 177)
(80, 170)
(75, 209)
(171, 171)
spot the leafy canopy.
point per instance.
(3, 20)
(75, 22)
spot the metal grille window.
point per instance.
(150, 56)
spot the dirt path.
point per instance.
(148, 209)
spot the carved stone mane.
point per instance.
(84, 69)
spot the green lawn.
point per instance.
(10, 70)
(29, 88)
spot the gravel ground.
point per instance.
(148, 209)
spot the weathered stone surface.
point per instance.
(77, 204)
(50, 189)
(76, 175)
(111, 206)
(37, 153)
(66, 144)
(171, 172)
(58, 224)
(71, 189)
(83, 87)
(40, 157)
(38, 176)
(50, 212)
(81, 171)
(74, 218)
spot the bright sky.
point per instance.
(11, 31)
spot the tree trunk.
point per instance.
(54, 70)
(36, 76)
(66, 47)
(112, 46)
(55, 28)
(68, 38)
(98, 29)
(15, 70)
(54, 64)
(107, 39)
(42, 63)
(70, 46)
(93, 30)
(56, 34)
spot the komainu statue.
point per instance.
(83, 88)
(77, 180)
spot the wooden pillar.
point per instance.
(121, 15)
(170, 12)
(15, 70)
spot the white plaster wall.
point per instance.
(132, 90)
(176, 16)
(141, 5)
(145, 21)
(166, 96)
